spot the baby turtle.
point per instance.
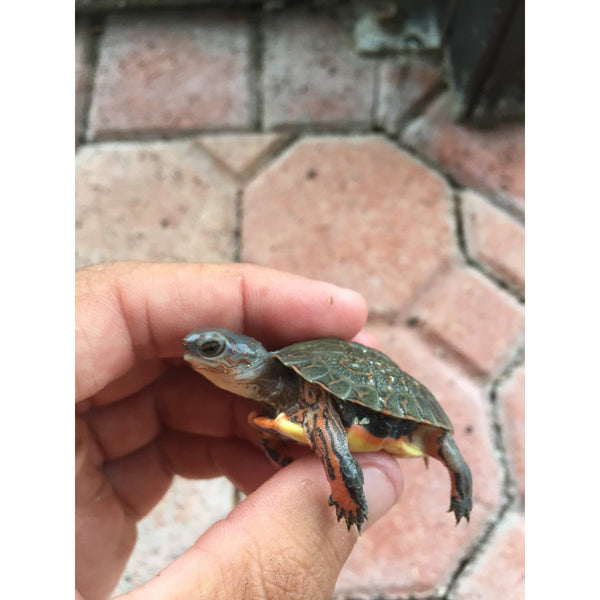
(336, 396)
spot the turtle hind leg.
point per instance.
(275, 448)
(460, 475)
(326, 435)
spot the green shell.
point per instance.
(355, 373)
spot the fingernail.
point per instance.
(383, 487)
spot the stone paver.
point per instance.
(511, 407)
(83, 74)
(494, 240)
(186, 511)
(489, 160)
(472, 319)
(242, 154)
(415, 548)
(168, 72)
(310, 73)
(403, 83)
(499, 574)
(159, 201)
(356, 211)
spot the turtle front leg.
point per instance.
(326, 435)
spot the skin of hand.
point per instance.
(142, 416)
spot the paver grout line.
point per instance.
(265, 160)
(166, 135)
(459, 228)
(395, 140)
(477, 549)
(494, 199)
(420, 106)
(456, 188)
(486, 272)
(474, 264)
(375, 97)
(237, 232)
(257, 46)
(96, 26)
(347, 128)
(315, 130)
(508, 482)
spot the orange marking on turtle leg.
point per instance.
(327, 437)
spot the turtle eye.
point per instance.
(212, 348)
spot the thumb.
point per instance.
(282, 541)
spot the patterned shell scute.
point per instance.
(355, 373)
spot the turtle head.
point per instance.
(232, 361)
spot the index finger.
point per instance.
(131, 311)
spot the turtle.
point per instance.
(336, 396)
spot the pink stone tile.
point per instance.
(403, 82)
(356, 211)
(311, 73)
(494, 239)
(152, 201)
(499, 573)
(472, 319)
(172, 72)
(511, 406)
(414, 550)
(489, 160)
(242, 153)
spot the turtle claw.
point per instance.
(461, 508)
(352, 517)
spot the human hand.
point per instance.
(143, 416)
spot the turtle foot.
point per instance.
(461, 508)
(356, 516)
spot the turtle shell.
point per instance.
(354, 373)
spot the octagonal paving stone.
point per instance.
(489, 160)
(356, 211)
(152, 201)
(414, 550)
